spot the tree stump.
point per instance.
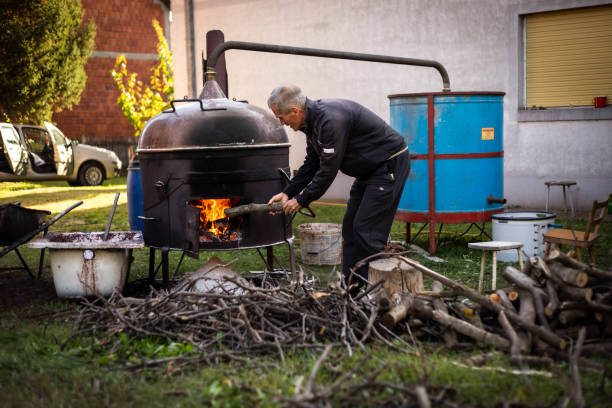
(399, 277)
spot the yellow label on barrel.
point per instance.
(487, 133)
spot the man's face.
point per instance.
(294, 118)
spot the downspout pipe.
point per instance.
(315, 52)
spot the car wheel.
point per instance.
(91, 174)
(74, 183)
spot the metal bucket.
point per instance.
(526, 227)
(321, 243)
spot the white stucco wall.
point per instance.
(478, 42)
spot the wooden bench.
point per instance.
(494, 246)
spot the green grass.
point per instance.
(36, 371)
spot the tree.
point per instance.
(140, 104)
(44, 47)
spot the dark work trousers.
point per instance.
(369, 214)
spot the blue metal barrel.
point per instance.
(456, 145)
(134, 194)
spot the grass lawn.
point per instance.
(35, 370)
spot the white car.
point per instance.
(43, 153)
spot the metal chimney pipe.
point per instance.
(315, 52)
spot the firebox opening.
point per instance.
(215, 226)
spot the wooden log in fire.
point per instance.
(253, 208)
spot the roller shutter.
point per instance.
(568, 57)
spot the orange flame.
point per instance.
(212, 211)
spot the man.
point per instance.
(343, 135)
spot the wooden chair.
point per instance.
(581, 239)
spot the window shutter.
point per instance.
(568, 57)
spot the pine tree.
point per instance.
(44, 47)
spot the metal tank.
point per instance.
(456, 145)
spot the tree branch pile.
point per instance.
(239, 320)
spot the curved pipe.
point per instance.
(315, 52)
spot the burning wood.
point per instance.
(215, 226)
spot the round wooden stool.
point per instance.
(494, 246)
(564, 184)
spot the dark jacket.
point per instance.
(340, 135)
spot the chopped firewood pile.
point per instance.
(555, 309)
(542, 309)
(545, 307)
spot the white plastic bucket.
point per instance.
(526, 227)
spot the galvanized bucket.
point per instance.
(321, 243)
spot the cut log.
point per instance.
(557, 255)
(525, 282)
(526, 312)
(471, 331)
(253, 208)
(571, 316)
(398, 312)
(571, 292)
(547, 273)
(399, 277)
(568, 275)
(553, 299)
(542, 332)
(449, 336)
(422, 308)
(505, 302)
(515, 342)
(513, 295)
(593, 331)
(530, 268)
(585, 305)
(468, 313)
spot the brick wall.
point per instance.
(122, 27)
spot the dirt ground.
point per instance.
(20, 294)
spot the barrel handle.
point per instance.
(191, 100)
(491, 200)
(140, 217)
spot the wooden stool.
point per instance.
(494, 246)
(563, 184)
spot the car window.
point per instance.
(59, 138)
(39, 143)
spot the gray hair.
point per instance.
(284, 97)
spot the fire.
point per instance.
(213, 220)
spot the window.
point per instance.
(568, 57)
(39, 143)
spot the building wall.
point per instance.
(122, 28)
(478, 42)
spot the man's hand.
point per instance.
(290, 206)
(280, 197)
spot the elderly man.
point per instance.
(343, 135)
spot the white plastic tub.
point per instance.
(83, 264)
(526, 227)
